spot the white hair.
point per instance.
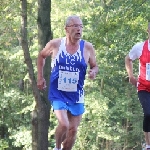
(70, 18)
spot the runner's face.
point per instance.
(74, 29)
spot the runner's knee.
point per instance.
(64, 125)
(73, 130)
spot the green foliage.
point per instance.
(4, 144)
(22, 138)
(16, 99)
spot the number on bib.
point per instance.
(68, 81)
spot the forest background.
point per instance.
(113, 117)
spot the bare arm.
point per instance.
(41, 83)
(92, 62)
(129, 68)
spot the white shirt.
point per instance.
(136, 50)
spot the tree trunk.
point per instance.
(41, 113)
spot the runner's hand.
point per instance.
(92, 74)
(133, 81)
(41, 84)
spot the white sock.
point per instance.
(56, 148)
(147, 146)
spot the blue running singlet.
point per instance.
(68, 75)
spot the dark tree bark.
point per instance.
(41, 113)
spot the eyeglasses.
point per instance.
(76, 25)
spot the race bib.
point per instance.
(148, 71)
(68, 81)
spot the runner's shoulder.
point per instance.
(55, 42)
(89, 46)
